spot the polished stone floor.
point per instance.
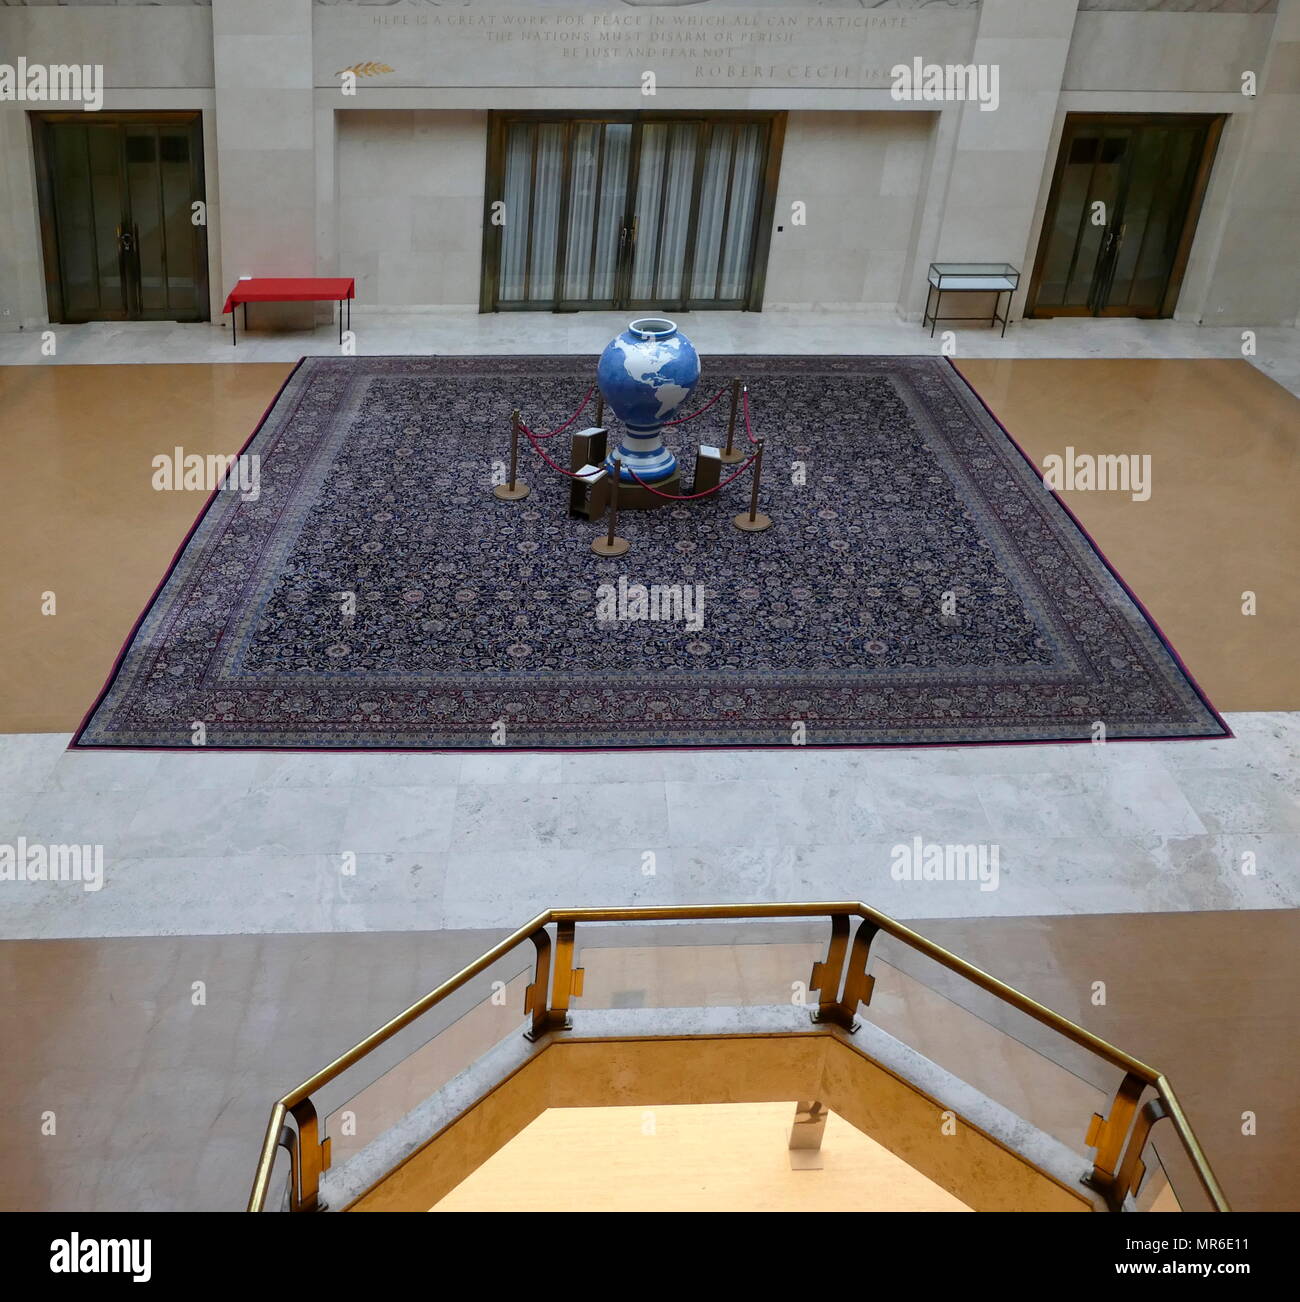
(1277, 348)
(212, 844)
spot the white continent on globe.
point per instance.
(669, 395)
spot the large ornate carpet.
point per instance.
(919, 585)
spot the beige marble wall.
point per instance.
(410, 205)
(265, 142)
(304, 180)
(860, 176)
(1163, 51)
(1255, 276)
(1000, 156)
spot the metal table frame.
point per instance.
(935, 292)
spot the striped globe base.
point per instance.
(643, 451)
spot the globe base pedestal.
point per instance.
(635, 497)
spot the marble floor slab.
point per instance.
(297, 843)
(462, 331)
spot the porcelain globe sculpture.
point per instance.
(646, 373)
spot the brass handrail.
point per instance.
(738, 912)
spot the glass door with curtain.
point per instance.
(1121, 214)
(117, 195)
(669, 212)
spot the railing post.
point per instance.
(513, 491)
(729, 455)
(1107, 1134)
(827, 975)
(310, 1160)
(858, 985)
(612, 544)
(537, 994)
(753, 520)
(550, 1009)
(1133, 1169)
(568, 979)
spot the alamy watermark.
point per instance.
(77, 1256)
(26, 862)
(195, 471)
(1078, 472)
(935, 861)
(41, 83)
(681, 603)
(919, 81)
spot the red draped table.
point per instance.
(290, 289)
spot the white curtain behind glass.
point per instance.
(745, 186)
(713, 211)
(663, 209)
(597, 193)
(546, 210)
(599, 157)
(517, 196)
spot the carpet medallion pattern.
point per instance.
(920, 585)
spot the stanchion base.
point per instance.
(756, 525)
(508, 494)
(603, 547)
(731, 458)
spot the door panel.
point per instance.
(597, 191)
(742, 212)
(730, 199)
(664, 193)
(626, 211)
(1121, 214)
(116, 201)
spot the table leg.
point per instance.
(234, 326)
(934, 320)
(1006, 315)
(340, 323)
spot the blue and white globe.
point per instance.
(646, 374)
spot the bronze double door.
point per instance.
(1121, 215)
(632, 210)
(123, 222)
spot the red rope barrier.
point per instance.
(532, 438)
(535, 439)
(690, 497)
(566, 424)
(681, 420)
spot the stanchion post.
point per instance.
(611, 544)
(513, 491)
(729, 454)
(754, 521)
(600, 409)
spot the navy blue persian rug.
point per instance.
(920, 585)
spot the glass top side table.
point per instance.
(996, 278)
